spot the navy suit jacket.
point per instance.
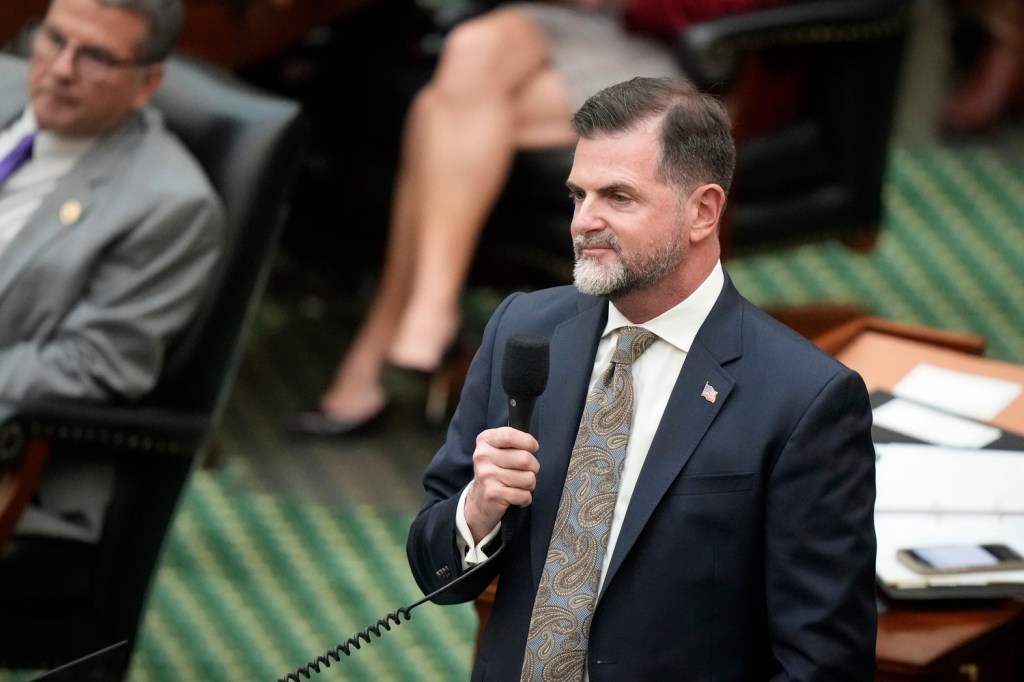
(748, 549)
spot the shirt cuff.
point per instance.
(472, 553)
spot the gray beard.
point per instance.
(598, 279)
(591, 277)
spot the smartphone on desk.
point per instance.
(963, 558)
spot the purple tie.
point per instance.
(21, 153)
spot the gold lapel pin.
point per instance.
(709, 393)
(70, 212)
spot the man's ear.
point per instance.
(150, 81)
(707, 204)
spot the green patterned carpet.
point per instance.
(951, 254)
(253, 586)
(288, 548)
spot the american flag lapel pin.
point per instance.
(709, 393)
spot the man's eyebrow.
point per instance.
(614, 188)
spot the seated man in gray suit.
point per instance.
(108, 228)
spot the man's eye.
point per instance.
(576, 195)
(97, 56)
(55, 38)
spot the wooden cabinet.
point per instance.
(956, 645)
(232, 33)
(17, 13)
(237, 33)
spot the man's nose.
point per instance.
(64, 63)
(586, 217)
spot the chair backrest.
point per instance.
(250, 144)
(821, 176)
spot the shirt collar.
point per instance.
(679, 324)
(49, 145)
(21, 126)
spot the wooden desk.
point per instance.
(882, 359)
(967, 644)
(232, 33)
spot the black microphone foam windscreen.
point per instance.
(524, 372)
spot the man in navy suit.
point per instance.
(741, 544)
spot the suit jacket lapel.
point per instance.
(70, 204)
(572, 349)
(49, 221)
(687, 416)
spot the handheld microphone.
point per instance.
(524, 376)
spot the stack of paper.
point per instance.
(949, 490)
(930, 495)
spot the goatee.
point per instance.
(625, 274)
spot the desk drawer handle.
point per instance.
(971, 672)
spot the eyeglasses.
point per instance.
(93, 61)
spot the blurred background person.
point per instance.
(108, 231)
(993, 87)
(506, 80)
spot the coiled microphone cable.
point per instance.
(524, 376)
(394, 618)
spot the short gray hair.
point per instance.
(164, 17)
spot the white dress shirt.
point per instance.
(676, 328)
(20, 196)
(24, 191)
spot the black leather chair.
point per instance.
(250, 144)
(818, 177)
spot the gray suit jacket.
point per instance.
(92, 297)
(747, 551)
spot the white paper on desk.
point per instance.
(898, 530)
(926, 478)
(932, 426)
(963, 393)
